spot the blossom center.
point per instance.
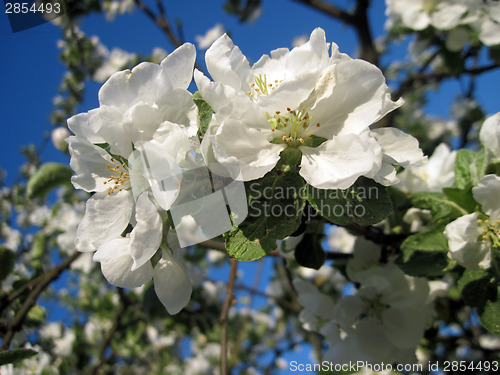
(293, 128)
(490, 231)
(261, 86)
(119, 177)
(429, 6)
(374, 307)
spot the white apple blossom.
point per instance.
(434, 175)
(418, 219)
(114, 7)
(484, 16)
(340, 240)
(148, 108)
(471, 239)
(465, 247)
(420, 14)
(205, 41)
(489, 135)
(306, 102)
(382, 322)
(114, 61)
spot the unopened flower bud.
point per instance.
(58, 138)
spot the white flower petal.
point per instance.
(146, 236)
(462, 235)
(123, 88)
(116, 264)
(172, 284)
(336, 163)
(106, 217)
(86, 125)
(351, 95)
(490, 32)
(227, 64)
(245, 152)
(447, 16)
(177, 69)
(313, 300)
(89, 163)
(400, 147)
(490, 134)
(487, 194)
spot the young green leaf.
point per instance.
(49, 176)
(470, 166)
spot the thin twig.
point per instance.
(420, 79)
(162, 22)
(224, 313)
(15, 324)
(106, 341)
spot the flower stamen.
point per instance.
(119, 176)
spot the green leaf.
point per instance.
(462, 197)
(15, 355)
(204, 113)
(38, 250)
(470, 166)
(490, 318)
(49, 176)
(475, 288)
(275, 209)
(364, 203)
(309, 252)
(439, 205)
(480, 289)
(424, 254)
(7, 258)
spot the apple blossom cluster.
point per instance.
(457, 17)
(474, 236)
(382, 320)
(311, 107)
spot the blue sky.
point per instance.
(31, 71)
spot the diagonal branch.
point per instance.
(161, 22)
(363, 30)
(328, 9)
(419, 79)
(41, 284)
(224, 313)
(358, 19)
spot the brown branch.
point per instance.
(223, 316)
(358, 19)
(106, 341)
(328, 9)
(41, 284)
(363, 30)
(420, 79)
(161, 22)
